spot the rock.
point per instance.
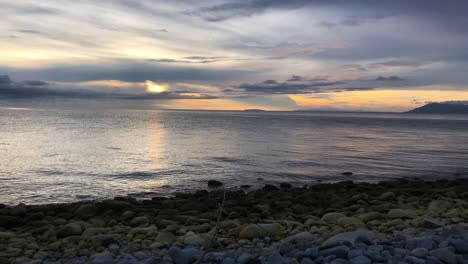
(332, 218)
(103, 241)
(461, 246)
(192, 239)
(270, 188)
(261, 230)
(245, 186)
(86, 210)
(339, 251)
(415, 260)
(96, 231)
(103, 258)
(420, 252)
(214, 183)
(178, 256)
(228, 224)
(19, 210)
(115, 205)
(285, 185)
(366, 217)
(438, 207)
(387, 196)
(7, 221)
(307, 261)
(244, 258)
(360, 260)
(164, 237)
(402, 214)
(361, 196)
(139, 221)
(424, 242)
(432, 223)
(7, 235)
(351, 237)
(350, 222)
(347, 173)
(445, 255)
(69, 230)
(228, 261)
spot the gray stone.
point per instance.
(178, 256)
(387, 196)
(228, 261)
(423, 242)
(164, 237)
(438, 207)
(69, 230)
(307, 261)
(261, 230)
(244, 258)
(103, 241)
(420, 252)
(445, 255)
(351, 237)
(103, 258)
(415, 260)
(360, 260)
(139, 221)
(432, 223)
(402, 214)
(461, 246)
(332, 218)
(339, 251)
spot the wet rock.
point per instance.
(270, 188)
(360, 260)
(103, 241)
(86, 210)
(370, 216)
(261, 230)
(115, 205)
(214, 183)
(193, 239)
(285, 185)
(70, 230)
(461, 246)
(347, 173)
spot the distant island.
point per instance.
(254, 110)
(442, 108)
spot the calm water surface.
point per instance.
(69, 155)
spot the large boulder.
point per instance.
(261, 230)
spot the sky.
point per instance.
(361, 55)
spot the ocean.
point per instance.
(56, 156)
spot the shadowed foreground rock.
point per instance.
(389, 222)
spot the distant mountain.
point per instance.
(442, 108)
(254, 110)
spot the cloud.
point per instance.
(392, 78)
(40, 89)
(203, 59)
(29, 31)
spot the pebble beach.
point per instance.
(398, 221)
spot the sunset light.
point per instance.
(152, 87)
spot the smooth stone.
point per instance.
(461, 246)
(307, 261)
(228, 261)
(261, 230)
(353, 237)
(350, 221)
(103, 241)
(70, 230)
(86, 210)
(339, 251)
(402, 214)
(366, 217)
(387, 196)
(432, 223)
(445, 255)
(103, 258)
(192, 239)
(139, 221)
(360, 260)
(438, 207)
(332, 218)
(178, 256)
(164, 237)
(420, 252)
(7, 235)
(244, 258)
(423, 242)
(415, 260)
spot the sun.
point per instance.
(153, 87)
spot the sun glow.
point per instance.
(153, 87)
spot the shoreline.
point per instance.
(232, 225)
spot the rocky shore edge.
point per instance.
(388, 222)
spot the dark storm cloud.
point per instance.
(390, 78)
(40, 89)
(275, 87)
